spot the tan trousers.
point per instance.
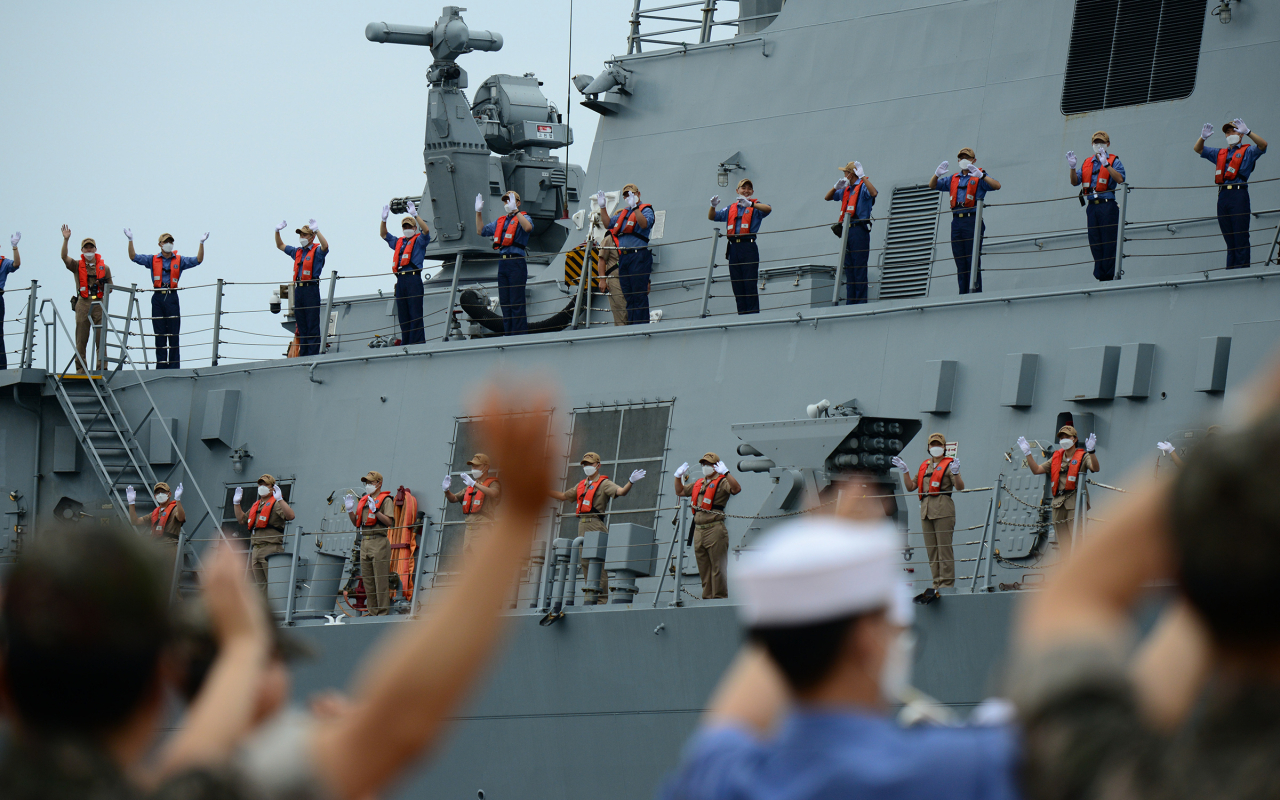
(85, 308)
(603, 597)
(258, 562)
(1064, 519)
(375, 567)
(711, 549)
(474, 534)
(937, 543)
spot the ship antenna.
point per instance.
(568, 113)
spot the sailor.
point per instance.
(606, 249)
(7, 265)
(166, 315)
(308, 262)
(802, 713)
(479, 500)
(92, 276)
(744, 216)
(510, 234)
(266, 520)
(710, 495)
(967, 186)
(1066, 467)
(632, 226)
(372, 515)
(406, 264)
(856, 196)
(591, 503)
(165, 520)
(937, 477)
(1098, 177)
(1234, 166)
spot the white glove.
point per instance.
(1071, 159)
(715, 200)
(742, 202)
(281, 226)
(842, 183)
(275, 492)
(682, 470)
(973, 171)
(633, 200)
(600, 199)
(238, 496)
(1091, 443)
(311, 223)
(350, 502)
(177, 493)
(637, 475)
(131, 495)
(857, 169)
(942, 169)
(1023, 446)
(202, 238)
(386, 212)
(447, 482)
(128, 234)
(899, 463)
(1206, 131)
(468, 480)
(412, 208)
(479, 204)
(955, 466)
(1165, 447)
(1102, 155)
(1241, 128)
(722, 468)
(14, 239)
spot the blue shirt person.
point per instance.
(631, 226)
(857, 194)
(7, 266)
(308, 264)
(408, 251)
(511, 242)
(1234, 164)
(166, 312)
(967, 187)
(741, 250)
(1099, 175)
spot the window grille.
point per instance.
(908, 249)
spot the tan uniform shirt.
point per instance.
(274, 532)
(1063, 497)
(599, 504)
(937, 506)
(386, 508)
(172, 527)
(720, 500)
(488, 509)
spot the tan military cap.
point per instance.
(966, 151)
(849, 167)
(478, 460)
(164, 236)
(591, 458)
(631, 187)
(86, 241)
(513, 193)
(269, 480)
(937, 437)
(1229, 125)
(709, 458)
(161, 486)
(746, 182)
(305, 230)
(372, 476)
(1069, 430)
(1100, 135)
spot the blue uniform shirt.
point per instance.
(631, 240)
(757, 216)
(834, 756)
(1246, 165)
(419, 248)
(317, 261)
(944, 185)
(518, 244)
(1111, 183)
(865, 201)
(166, 263)
(6, 267)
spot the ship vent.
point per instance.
(908, 247)
(1126, 52)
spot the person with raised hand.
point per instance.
(710, 493)
(1234, 164)
(166, 312)
(510, 233)
(373, 516)
(967, 186)
(743, 216)
(409, 250)
(1098, 178)
(856, 195)
(7, 267)
(632, 226)
(308, 262)
(92, 278)
(165, 520)
(591, 503)
(937, 477)
(1066, 468)
(479, 501)
(265, 520)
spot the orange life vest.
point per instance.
(1103, 183)
(365, 517)
(935, 480)
(704, 493)
(504, 231)
(473, 498)
(740, 227)
(1073, 469)
(587, 494)
(260, 515)
(849, 204)
(82, 273)
(1229, 171)
(160, 517)
(157, 271)
(626, 223)
(303, 259)
(404, 252)
(970, 190)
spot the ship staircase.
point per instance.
(111, 441)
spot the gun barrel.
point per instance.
(385, 33)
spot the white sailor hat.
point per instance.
(819, 569)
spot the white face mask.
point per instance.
(167, 247)
(303, 241)
(408, 232)
(895, 672)
(589, 470)
(476, 473)
(936, 452)
(707, 469)
(89, 257)
(1233, 139)
(1099, 147)
(964, 164)
(264, 490)
(1066, 444)
(161, 499)
(370, 488)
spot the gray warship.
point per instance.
(592, 699)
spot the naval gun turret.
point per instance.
(502, 141)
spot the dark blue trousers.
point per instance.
(1104, 220)
(306, 317)
(962, 249)
(634, 268)
(744, 274)
(166, 319)
(855, 264)
(409, 307)
(4, 359)
(1233, 220)
(513, 273)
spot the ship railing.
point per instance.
(704, 22)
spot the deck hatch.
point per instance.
(908, 249)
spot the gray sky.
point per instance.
(229, 117)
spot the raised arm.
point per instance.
(525, 223)
(66, 237)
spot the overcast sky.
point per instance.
(232, 116)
